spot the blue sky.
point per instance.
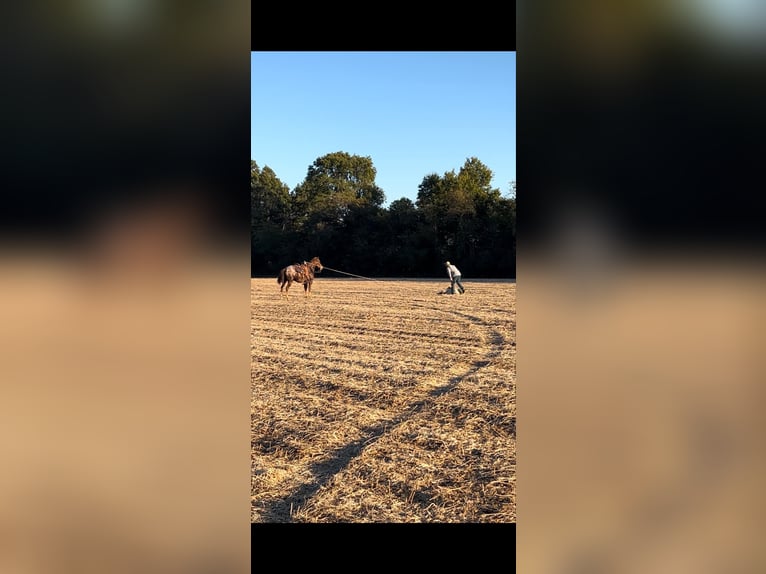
(413, 113)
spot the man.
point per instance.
(455, 276)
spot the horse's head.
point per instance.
(316, 264)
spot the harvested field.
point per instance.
(383, 401)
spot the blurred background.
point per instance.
(124, 274)
(641, 286)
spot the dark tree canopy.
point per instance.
(337, 212)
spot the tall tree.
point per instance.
(334, 185)
(455, 207)
(269, 197)
(270, 213)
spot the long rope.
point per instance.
(351, 274)
(368, 278)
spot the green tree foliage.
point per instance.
(269, 197)
(407, 243)
(339, 204)
(466, 217)
(270, 218)
(336, 184)
(337, 213)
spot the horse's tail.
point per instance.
(281, 278)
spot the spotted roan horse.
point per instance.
(302, 273)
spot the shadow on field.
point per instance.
(281, 510)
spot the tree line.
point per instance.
(337, 214)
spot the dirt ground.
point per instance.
(383, 401)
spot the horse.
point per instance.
(302, 273)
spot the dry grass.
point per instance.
(383, 402)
